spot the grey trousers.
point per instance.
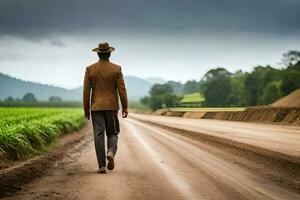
(105, 121)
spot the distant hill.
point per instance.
(16, 88)
(291, 100)
(155, 80)
(136, 87)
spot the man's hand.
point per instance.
(124, 113)
(87, 116)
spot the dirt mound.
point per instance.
(285, 111)
(194, 115)
(262, 114)
(280, 115)
(159, 112)
(174, 113)
(291, 100)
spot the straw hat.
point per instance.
(104, 48)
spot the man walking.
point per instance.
(103, 81)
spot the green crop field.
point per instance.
(28, 131)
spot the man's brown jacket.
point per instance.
(103, 81)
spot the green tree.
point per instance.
(55, 99)
(161, 95)
(191, 87)
(9, 99)
(290, 82)
(237, 94)
(257, 81)
(177, 87)
(160, 89)
(29, 97)
(291, 58)
(295, 67)
(171, 100)
(216, 87)
(156, 102)
(271, 93)
(268, 75)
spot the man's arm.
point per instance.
(86, 94)
(122, 93)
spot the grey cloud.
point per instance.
(57, 43)
(35, 18)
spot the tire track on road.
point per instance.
(226, 174)
(178, 182)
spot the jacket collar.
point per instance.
(103, 61)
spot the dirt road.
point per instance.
(157, 163)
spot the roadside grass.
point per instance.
(192, 98)
(138, 107)
(29, 131)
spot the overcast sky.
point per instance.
(50, 41)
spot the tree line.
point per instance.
(29, 100)
(262, 86)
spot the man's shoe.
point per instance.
(111, 162)
(102, 170)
